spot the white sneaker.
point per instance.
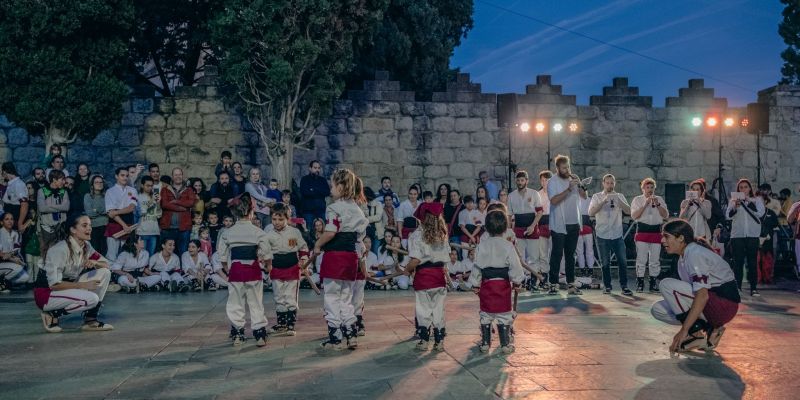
(113, 287)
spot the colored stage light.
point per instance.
(711, 121)
(558, 127)
(539, 127)
(573, 127)
(696, 121)
(525, 127)
(728, 122)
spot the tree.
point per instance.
(61, 64)
(283, 63)
(414, 42)
(171, 42)
(789, 29)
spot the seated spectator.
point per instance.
(221, 193)
(130, 265)
(237, 178)
(394, 260)
(57, 163)
(195, 265)
(12, 265)
(168, 266)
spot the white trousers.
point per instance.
(430, 307)
(506, 318)
(13, 272)
(403, 282)
(219, 280)
(585, 251)
(678, 299)
(76, 300)
(34, 265)
(530, 251)
(125, 282)
(113, 246)
(242, 295)
(648, 252)
(166, 277)
(315, 278)
(543, 263)
(285, 294)
(337, 299)
(150, 280)
(358, 297)
(455, 284)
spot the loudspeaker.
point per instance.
(674, 193)
(506, 109)
(758, 118)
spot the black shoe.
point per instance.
(291, 318)
(639, 285)
(608, 290)
(438, 338)
(333, 342)
(173, 286)
(504, 332)
(754, 293)
(424, 335)
(553, 289)
(350, 334)
(196, 286)
(261, 337)
(486, 338)
(627, 292)
(653, 286)
(183, 288)
(362, 331)
(237, 334)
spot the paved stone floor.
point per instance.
(588, 347)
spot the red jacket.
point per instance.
(181, 203)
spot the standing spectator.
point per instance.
(39, 177)
(585, 250)
(55, 150)
(30, 238)
(149, 211)
(443, 195)
(314, 189)
(405, 214)
(75, 198)
(373, 210)
(53, 205)
(386, 189)
(745, 214)
(15, 199)
(525, 207)
(238, 179)
(607, 208)
(649, 211)
(545, 241)
(56, 163)
(793, 219)
(565, 220)
(154, 171)
(203, 196)
(502, 197)
(451, 211)
(492, 188)
(94, 204)
(224, 164)
(697, 211)
(120, 207)
(176, 211)
(258, 192)
(83, 180)
(221, 193)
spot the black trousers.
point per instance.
(745, 250)
(98, 239)
(564, 245)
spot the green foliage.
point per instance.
(171, 41)
(60, 64)
(414, 42)
(789, 29)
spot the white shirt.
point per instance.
(545, 200)
(158, 263)
(742, 224)
(703, 268)
(457, 268)
(9, 240)
(609, 220)
(474, 217)
(650, 216)
(16, 192)
(496, 252)
(405, 210)
(59, 266)
(566, 212)
(389, 262)
(424, 252)
(216, 264)
(508, 235)
(119, 197)
(346, 216)
(128, 262)
(190, 265)
(524, 203)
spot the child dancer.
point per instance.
(242, 248)
(195, 265)
(346, 226)
(167, 264)
(218, 278)
(429, 251)
(289, 250)
(131, 263)
(497, 266)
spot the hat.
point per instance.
(434, 208)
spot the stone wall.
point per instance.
(382, 130)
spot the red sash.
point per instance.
(285, 274)
(241, 272)
(648, 237)
(495, 296)
(339, 265)
(429, 277)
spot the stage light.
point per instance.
(525, 127)
(744, 122)
(573, 127)
(539, 127)
(711, 121)
(696, 121)
(558, 127)
(728, 122)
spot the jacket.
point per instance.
(179, 204)
(314, 189)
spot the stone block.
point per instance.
(378, 124)
(484, 139)
(165, 105)
(128, 137)
(454, 139)
(151, 138)
(458, 109)
(385, 108)
(471, 154)
(184, 105)
(694, 158)
(176, 154)
(26, 154)
(127, 155)
(3, 137)
(411, 108)
(443, 124)
(461, 170)
(177, 120)
(468, 124)
(404, 123)
(208, 106)
(220, 122)
(155, 121)
(436, 171)
(413, 172)
(5, 123)
(17, 136)
(435, 109)
(143, 106)
(104, 138)
(354, 125)
(422, 123)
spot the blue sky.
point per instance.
(735, 41)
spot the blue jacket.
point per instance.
(314, 189)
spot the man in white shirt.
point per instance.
(405, 211)
(525, 206)
(545, 243)
(565, 223)
(607, 208)
(649, 211)
(15, 199)
(121, 201)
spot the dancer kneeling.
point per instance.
(429, 251)
(497, 266)
(706, 296)
(242, 249)
(75, 278)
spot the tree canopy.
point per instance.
(789, 29)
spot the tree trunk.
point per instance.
(53, 135)
(282, 165)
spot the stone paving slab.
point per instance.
(588, 347)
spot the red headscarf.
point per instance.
(434, 208)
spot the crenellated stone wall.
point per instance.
(382, 131)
